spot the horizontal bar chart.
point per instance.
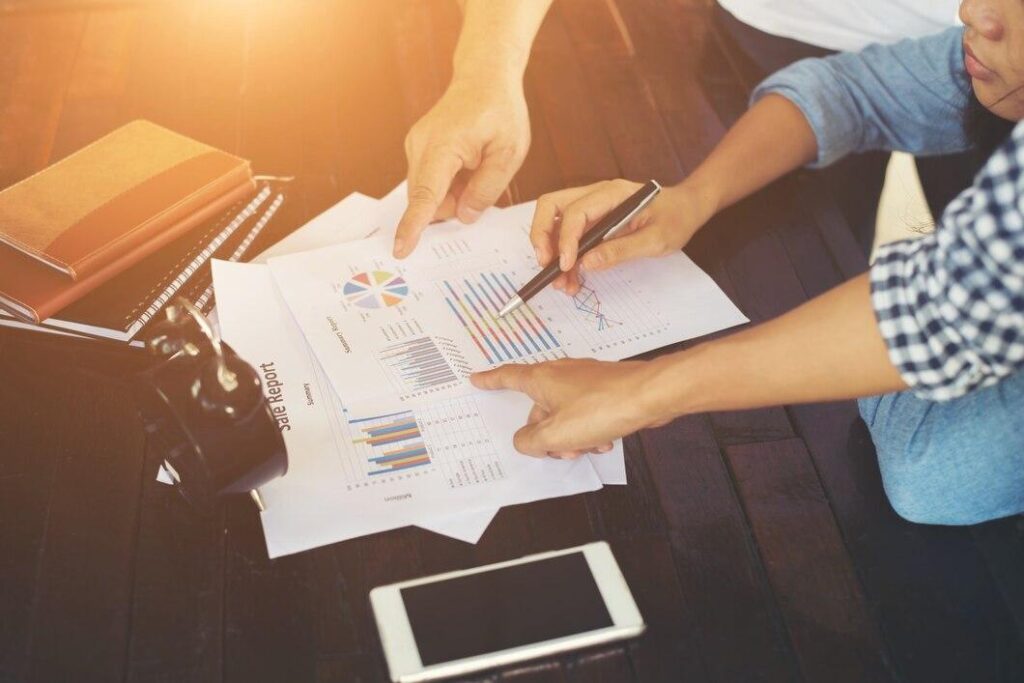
(417, 364)
(395, 440)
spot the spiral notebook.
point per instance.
(120, 308)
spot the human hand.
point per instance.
(664, 226)
(462, 155)
(580, 405)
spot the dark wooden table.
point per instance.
(759, 545)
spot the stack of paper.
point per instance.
(365, 361)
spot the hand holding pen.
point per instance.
(564, 220)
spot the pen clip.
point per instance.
(639, 207)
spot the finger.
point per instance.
(546, 219)
(573, 283)
(530, 440)
(537, 413)
(613, 251)
(487, 183)
(447, 208)
(571, 454)
(565, 455)
(580, 215)
(429, 182)
(450, 204)
(512, 376)
(542, 230)
(547, 437)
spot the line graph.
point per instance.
(588, 302)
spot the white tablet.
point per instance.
(499, 614)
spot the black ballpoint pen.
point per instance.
(614, 219)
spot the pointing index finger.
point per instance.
(429, 181)
(512, 376)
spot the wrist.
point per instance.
(705, 195)
(676, 385)
(480, 86)
(499, 68)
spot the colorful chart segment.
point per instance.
(375, 289)
(476, 304)
(396, 442)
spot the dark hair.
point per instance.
(984, 130)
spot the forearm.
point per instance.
(496, 38)
(827, 349)
(771, 139)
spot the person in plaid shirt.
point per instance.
(931, 339)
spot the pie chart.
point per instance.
(375, 289)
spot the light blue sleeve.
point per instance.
(909, 96)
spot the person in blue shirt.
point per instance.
(931, 339)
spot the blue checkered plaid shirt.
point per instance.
(949, 305)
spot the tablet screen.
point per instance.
(504, 608)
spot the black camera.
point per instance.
(204, 410)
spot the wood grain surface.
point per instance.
(759, 545)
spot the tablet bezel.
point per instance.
(402, 652)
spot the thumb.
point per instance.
(486, 185)
(616, 250)
(532, 439)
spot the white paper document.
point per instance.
(365, 363)
(393, 335)
(358, 216)
(354, 217)
(353, 475)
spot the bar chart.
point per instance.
(448, 439)
(422, 365)
(523, 336)
(395, 443)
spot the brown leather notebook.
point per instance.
(113, 197)
(103, 209)
(34, 293)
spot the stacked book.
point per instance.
(97, 244)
